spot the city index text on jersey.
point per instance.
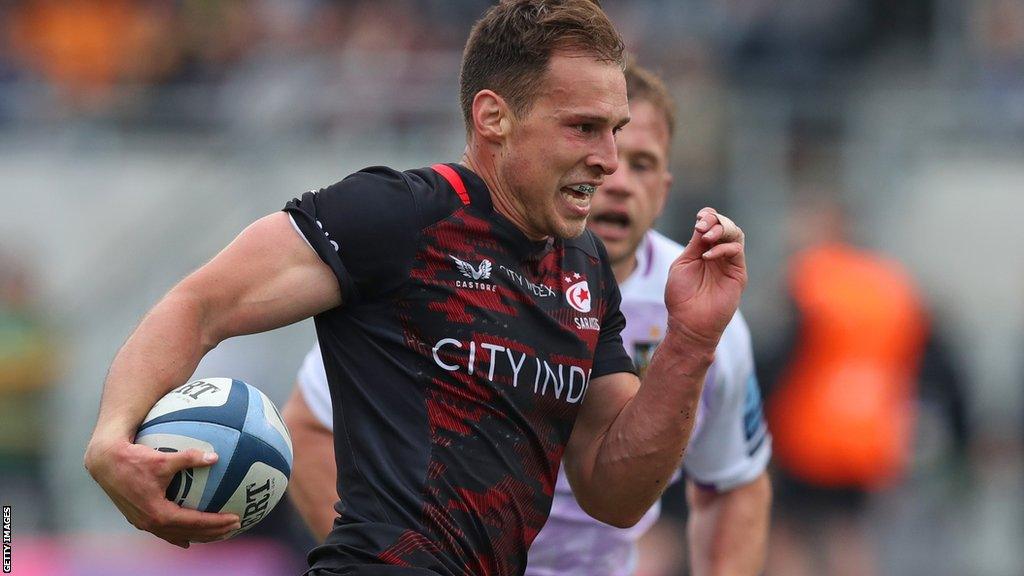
(566, 382)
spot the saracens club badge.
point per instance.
(578, 292)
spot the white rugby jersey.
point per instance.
(730, 445)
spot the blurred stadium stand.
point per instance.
(138, 137)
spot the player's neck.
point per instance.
(504, 202)
(624, 268)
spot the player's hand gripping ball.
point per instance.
(243, 427)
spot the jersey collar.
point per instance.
(480, 198)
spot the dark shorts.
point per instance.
(812, 503)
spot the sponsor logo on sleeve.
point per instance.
(328, 235)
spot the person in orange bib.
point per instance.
(842, 411)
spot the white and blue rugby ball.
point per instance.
(243, 427)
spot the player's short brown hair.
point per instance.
(644, 85)
(510, 46)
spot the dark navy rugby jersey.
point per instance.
(456, 366)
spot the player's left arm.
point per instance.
(728, 531)
(313, 486)
(628, 439)
(729, 491)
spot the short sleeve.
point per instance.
(312, 382)
(732, 445)
(364, 227)
(610, 356)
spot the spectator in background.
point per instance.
(84, 49)
(842, 409)
(27, 370)
(73, 45)
(997, 36)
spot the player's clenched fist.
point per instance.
(706, 281)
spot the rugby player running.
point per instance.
(454, 401)
(727, 486)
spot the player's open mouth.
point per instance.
(611, 225)
(612, 219)
(579, 195)
(581, 191)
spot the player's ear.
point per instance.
(662, 199)
(492, 118)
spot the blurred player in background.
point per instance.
(727, 487)
(438, 295)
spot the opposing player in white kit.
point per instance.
(728, 489)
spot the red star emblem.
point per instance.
(584, 296)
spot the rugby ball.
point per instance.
(243, 427)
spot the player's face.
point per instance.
(566, 140)
(626, 206)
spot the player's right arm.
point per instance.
(629, 438)
(313, 485)
(266, 278)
